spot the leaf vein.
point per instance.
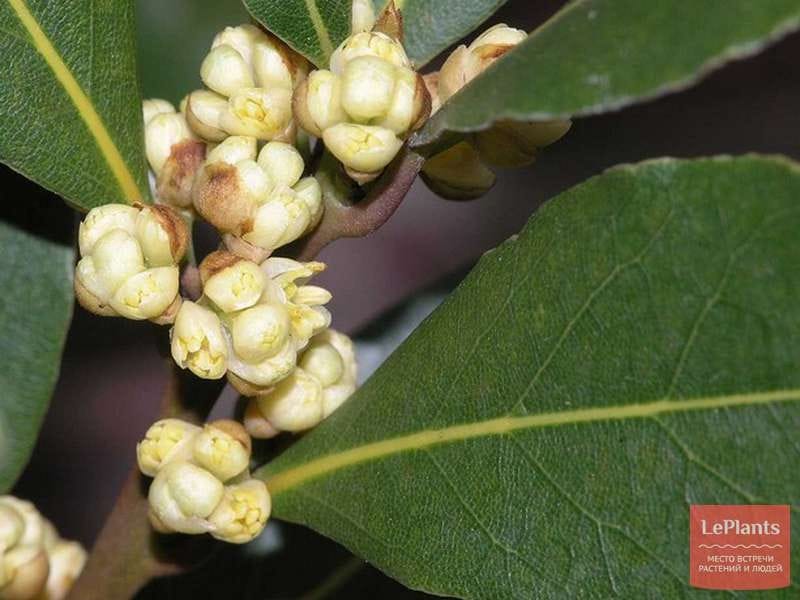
(295, 476)
(495, 541)
(615, 272)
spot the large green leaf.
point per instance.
(433, 25)
(316, 27)
(35, 311)
(600, 55)
(542, 434)
(70, 108)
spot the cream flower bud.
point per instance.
(117, 256)
(499, 35)
(318, 102)
(458, 173)
(260, 332)
(162, 235)
(308, 321)
(115, 262)
(241, 38)
(309, 190)
(370, 43)
(26, 568)
(174, 181)
(242, 513)
(230, 282)
(102, 219)
(234, 149)
(49, 535)
(410, 105)
(258, 112)
(67, 560)
(283, 218)
(161, 134)
(510, 144)
(255, 423)
(362, 16)
(282, 162)
(272, 64)
(431, 81)
(263, 374)
(338, 377)
(183, 496)
(148, 294)
(311, 295)
(166, 441)
(203, 114)
(367, 87)
(155, 106)
(223, 449)
(461, 67)
(295, 404)
(90, 291)
(198, 342)
(256, 181)
(225, 71)
(363, 148)
(323, 362)
(227, 195)
(12, 526)
(306, 315)
(288, 274)
(33, 524)
(466, 63)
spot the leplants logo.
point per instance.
(739, 547)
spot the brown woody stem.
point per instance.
(358, 220)
(127, 553)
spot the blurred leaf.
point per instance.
(597, 56)
(70, 108)
(181, 30)
(312, 27)
(541, 435)
(316, 27)
(432, 25)
(35, 311)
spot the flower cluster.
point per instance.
(365, 105)
(258, 200)
(35, 562)
(324, 378)
(251, 320)
(201, 480)
(463, 171)
(212, 156)
(129, 264)
(228, 156)
(250, 76)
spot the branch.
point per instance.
(128, 554)
(358, 220)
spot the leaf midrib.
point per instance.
(293, 477)
(325, 43)
(83, 104)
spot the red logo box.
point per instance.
(739, 547)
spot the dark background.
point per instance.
(112, 373)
